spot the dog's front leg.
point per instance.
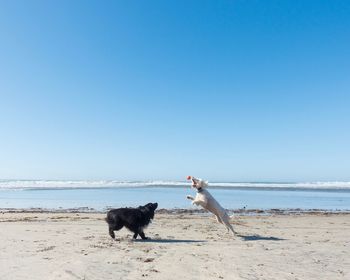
(111, 232)
(194, 200)
(197, 202)
(143, 236)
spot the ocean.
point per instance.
(102, 195)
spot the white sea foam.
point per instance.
(52, 184)
(301, 185)
(44, 184)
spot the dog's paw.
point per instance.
(189, 197)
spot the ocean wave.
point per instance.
(51, 184)
(302, 185)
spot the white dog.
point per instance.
(208, 202)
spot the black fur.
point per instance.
(134, 219)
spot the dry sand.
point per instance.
(183, 246)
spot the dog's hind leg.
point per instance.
(218, 219)
(111, 232)
(231, 228)
(226, 222)
(112, 228)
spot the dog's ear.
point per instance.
(151, 206)
(205, 184)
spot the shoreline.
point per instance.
(277, 187)
(238, 212)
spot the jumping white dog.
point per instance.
(208, 202)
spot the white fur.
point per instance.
(208, 202)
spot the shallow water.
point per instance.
(174, 197)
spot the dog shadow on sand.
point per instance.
(170, 241)
(256, 237)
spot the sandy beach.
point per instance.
(183, 246)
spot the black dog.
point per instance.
(134, 219)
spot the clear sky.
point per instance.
(145, 90)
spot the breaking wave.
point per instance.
(51, 184)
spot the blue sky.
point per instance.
(144, 90)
